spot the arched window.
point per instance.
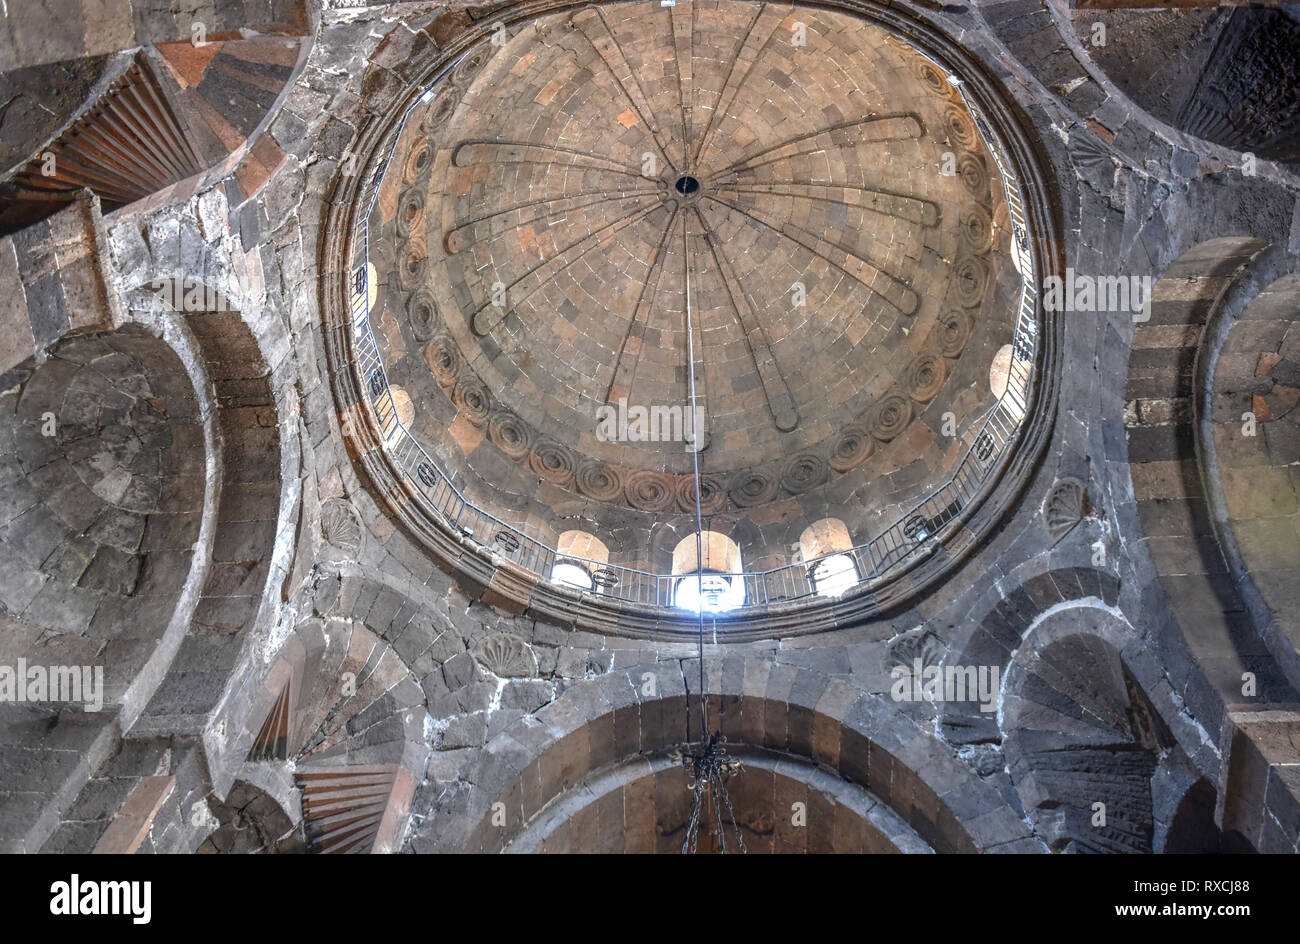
(1000, 377)
(831, 570)
(718, 586)
(578, 558)
(395, 413)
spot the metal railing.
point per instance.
(912, 534)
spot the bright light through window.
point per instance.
(710, 593)
(832, 576)
(572, 575)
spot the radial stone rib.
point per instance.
(747, 53)
(629, 353)
(900, 206)
(888, 287)
(456, 239)
(873, 129)
(779, 400)
(611, 53)
(683, 28)
(524, 152)
(490, 315)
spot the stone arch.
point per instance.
(1246, 365)
(248, 550)
(999, 624)
(1248, 444)
(1203, 72)
(852, 735)
(1080, 731)
(1123, 670)
(186, 274)
(1078, 75)
(178, 675)
(781, 804)
(1036, 608)
(106, 524)
(657, 552)
(1194, 302)
(1192, 829)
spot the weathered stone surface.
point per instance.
(196, 479)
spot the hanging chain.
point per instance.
(708, 766)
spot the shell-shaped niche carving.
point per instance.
(1087, 150)
(505, 655)
(340, 526)
(1064, 507)
(921, 643)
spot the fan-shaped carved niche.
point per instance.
(126, 146)
(344, 808)
(1065, 506)
(276, 738)
(921, 643)
(506, 655)
(340, 526)
(1081, 730)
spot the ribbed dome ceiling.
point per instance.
(536, 237)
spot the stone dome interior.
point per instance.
(815, 184)
(476, 426)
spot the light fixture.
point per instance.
(707, 767)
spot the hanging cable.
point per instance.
(695, 461)
(707, 766)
